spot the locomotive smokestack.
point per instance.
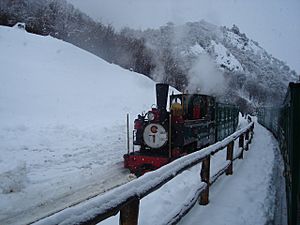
(162, 91)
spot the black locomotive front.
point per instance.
(151, 130)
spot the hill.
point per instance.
(225, 62)
(62, 123)
(217, 60)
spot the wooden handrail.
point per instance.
(126, 197)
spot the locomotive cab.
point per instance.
(192, 121)
(192, 106)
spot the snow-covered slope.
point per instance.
(274, 24)
(253, 76)
(224, 58)
(62, 123)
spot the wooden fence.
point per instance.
(126, 198)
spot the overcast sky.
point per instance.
(275, 24)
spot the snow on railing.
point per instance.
(126, 198)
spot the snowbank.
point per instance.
(62, 123)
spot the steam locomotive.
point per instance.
(194, 121)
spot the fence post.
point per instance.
(229, 156)
(250, 135)
(129, 214)
(247, 140)
(205, 174)
(252, 132)
(241, 145)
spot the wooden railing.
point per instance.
(126, 198)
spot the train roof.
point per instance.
(191, 94)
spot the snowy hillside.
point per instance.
(274, 24)
(62, 123)
(251, 75)
(176, 54)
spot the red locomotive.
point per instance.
(189, 125)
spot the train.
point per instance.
(284, 122)
(193, 121)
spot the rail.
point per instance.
(126, 198)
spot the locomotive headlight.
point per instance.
(151, 116)
(155, 135)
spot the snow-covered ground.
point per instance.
(62, 124)
(62, 137)
(247, 197)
